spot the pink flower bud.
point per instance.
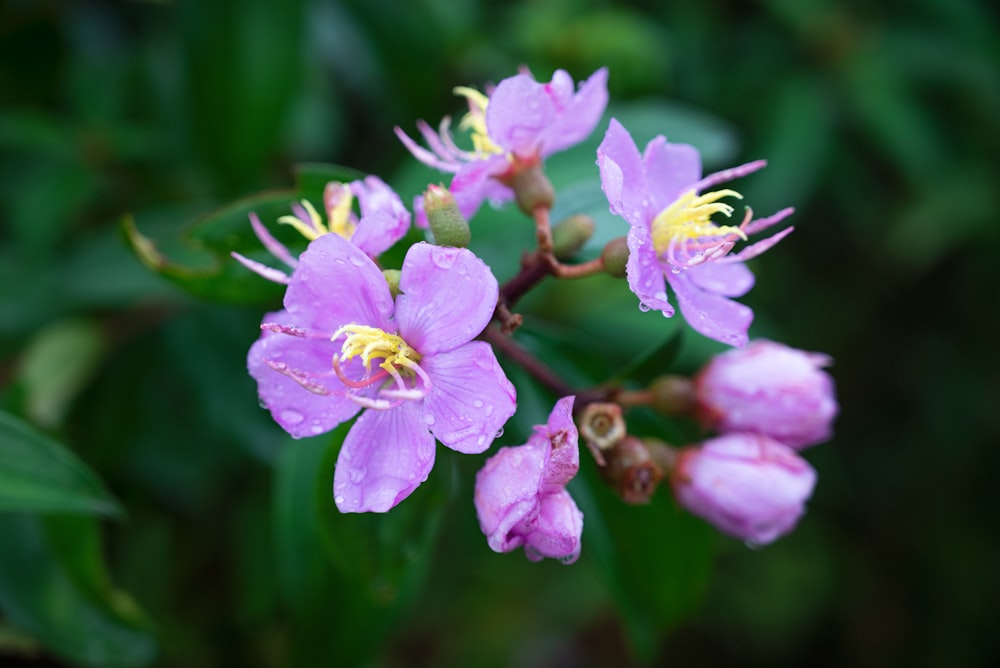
(521, 497)
(770, 389)
(746, 485)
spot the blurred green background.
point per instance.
(880, 124)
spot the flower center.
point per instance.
(399, 374)
(685, 234)
(476, 121)
(371, 342)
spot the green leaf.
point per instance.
(39, 475)
(53, 587)
(655, 558)
(58, 362)
(346, 577)
(207, 270)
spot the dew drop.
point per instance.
(481, 440)
(338, 499)
(358, 260)
(661, 295)
(428, 419)
(316, 428)
(291, 417)
(643, 307)
(489, 409)
(442, 258)
(478, 403)
(499, 433)
(356, 475)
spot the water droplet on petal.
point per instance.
(356, 475)
(442, 258)
(481, 440)
(477, 403)
(338, 499)
(643, 307)
(489, 409)
(428, 419)
(499, 433)
(291, 417)
(316, 428)
(358, 260)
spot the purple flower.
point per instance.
(521, 496)
(746, 485)
(770, 389)
(384, 221)
(343, 344)
(673, 240)
(519, 124)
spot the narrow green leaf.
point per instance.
(39, 475)
(52, 586)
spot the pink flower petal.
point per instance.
(447, 297)
(671, 170)
(623, 177)
(506, 493)
(645, 274)
(336, 284)
(578, 116)
(711, 314)
(555, 532)
(470, 397)
(386, 455)
(299, 411)
(727, 279)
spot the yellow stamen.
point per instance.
(689, 218)
(371, 342)
(340, 214)
(476, 120)
(311, 233)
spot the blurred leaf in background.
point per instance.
(879, 125)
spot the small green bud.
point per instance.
(447, 223)
(615, 257)
(392, 278)
(532, 189)
(673, 395)
(570, 234)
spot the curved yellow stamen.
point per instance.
(689, 219)
(475, 120)
(317, 230)
(340, 214)
(371, 342)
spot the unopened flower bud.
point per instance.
(673, 395)
(746, 485)
(615, 257)
(392, 278)
(631, 470)
(602, 425)
(770, 389)
(570, 234)
(532, 189)
(447, 223)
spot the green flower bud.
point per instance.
(615, 257)
(392, 278)
(532, 189)
(570, 234)
(447, 223)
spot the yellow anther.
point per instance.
(689, 218)
(318, 229)
(371, 342)
(475, 120)
(340, 214)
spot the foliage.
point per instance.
(217, 544)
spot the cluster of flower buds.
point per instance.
(410, 354)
